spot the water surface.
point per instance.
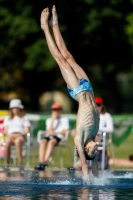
(65, 185)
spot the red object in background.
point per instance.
(98, 100)
(1, 125)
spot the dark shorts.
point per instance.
(50, 137)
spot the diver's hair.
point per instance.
(21, 113)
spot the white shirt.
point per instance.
(16, 124)
(59, 125)
(106, 123)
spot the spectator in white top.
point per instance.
(16, 127)
(105, 125)
(56, 128)
(106, 121)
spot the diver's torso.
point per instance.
(88, 114)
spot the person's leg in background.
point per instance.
(42, 151)
(19, 141)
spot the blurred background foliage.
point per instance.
(99, 34)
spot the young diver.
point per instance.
(80, 89)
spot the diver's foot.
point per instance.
(54, 18)
(44, 18)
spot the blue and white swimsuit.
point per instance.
(84, 85)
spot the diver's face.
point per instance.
(91, 151)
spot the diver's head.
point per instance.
(90, 151)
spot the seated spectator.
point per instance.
(16, 127)
(106, 120)
(105, 125)
(56, 128)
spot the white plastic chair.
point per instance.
(62, 144)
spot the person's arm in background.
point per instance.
(27, 126)
(49, 126)
(26, 130)
(73, 132)
(50, 123)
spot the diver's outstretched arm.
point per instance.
(66, 70)
(62, 47)
(78, 140)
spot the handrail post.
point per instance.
(28, 150)
(103, 151)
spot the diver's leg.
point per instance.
(66, 70)
(62, 47)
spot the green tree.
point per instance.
(97, 32)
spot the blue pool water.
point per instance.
(65, 185)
